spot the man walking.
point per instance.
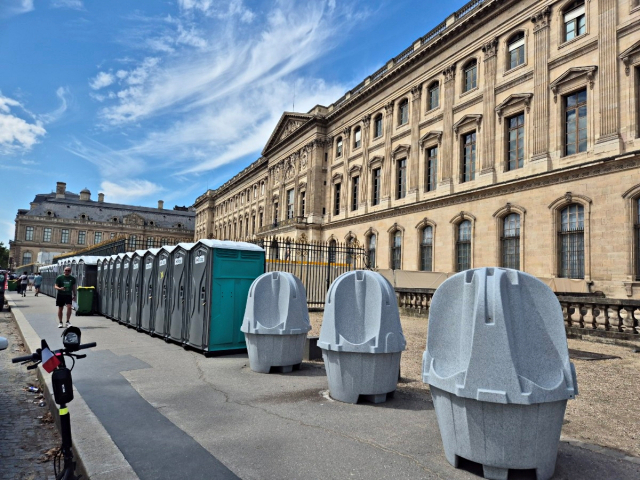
(37, 281)
(24, 280)
(66, 287)
(31, 277)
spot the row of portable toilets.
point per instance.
(496, 357)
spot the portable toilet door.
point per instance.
(135, 289)
(99, 288)
(161, 292)
(74, 267)
(89, 270)
(149, 266)
(108, 287)
(117, 286)
(199, 305)
(179, 291)
(125, 289)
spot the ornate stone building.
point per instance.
(63, 221)
(508, 135)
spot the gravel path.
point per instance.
(606, 411)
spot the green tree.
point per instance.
(4, 256)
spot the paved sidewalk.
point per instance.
(153, 410)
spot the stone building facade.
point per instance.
(509, 135)
(63, 222)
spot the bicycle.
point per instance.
(62, 390)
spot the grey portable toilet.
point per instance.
(361, 337)
(276, 322)
(179, 291)
(87, 267)
(99, 285)
(125, 288)
(162, 292)
(73, 261)
(149, 266)
(498, 367)
(135, 288)
(117, 286)
(220, 276)
(108, 286)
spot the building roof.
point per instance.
(72, 207)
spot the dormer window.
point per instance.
(575, 21)
(115, 219)
(49, 213)
(152, 223)
(83, 216)
(179, 225)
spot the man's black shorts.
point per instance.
(62, 300)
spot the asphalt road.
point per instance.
(176, 414)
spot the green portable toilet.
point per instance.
(221, 274)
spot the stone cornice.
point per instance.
(400, 136)
(540, 180)
(503, 87)
(55, 222)
(472, 101)
(431, 121)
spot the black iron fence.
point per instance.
(122, 245)
(316, 264)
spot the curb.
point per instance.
(96, 455)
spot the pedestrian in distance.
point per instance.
(31, 276)
(23, 281)
(37, 281)
(66, 288)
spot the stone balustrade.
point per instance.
(583, 315)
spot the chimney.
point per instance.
(61, 188)
(160, 204)
(85, 195)
(101, 197)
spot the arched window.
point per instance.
(349, 253)
(463, 246)
(274, 250)
(426, 249)
(636, 229)
(433, 96)
(511, 241)
(515, 47)
(470, 75)
(373, 239)
(571, 241)
(396, 250)
(333, 247)
(403, 112)
(575, 20)
(339, 147)
(26, 258)
(377, 126)
(357, 137)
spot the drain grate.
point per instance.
(582, 355)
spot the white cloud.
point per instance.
(74, 4)
(103, 79)
(15, 7)
(62, 93)
(111, 163)
(17, 133)
(127, 190)
(28, 162)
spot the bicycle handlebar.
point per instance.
(36, 356)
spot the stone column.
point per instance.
(446, 168)
(388, 133)
(364, 178)
(413, 179)
(489, 110)
(540, 130)
(315, 177)
(608, 74)
(346, 151)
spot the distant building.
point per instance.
(509, 135)
(63, 221)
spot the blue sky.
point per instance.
(159, 99)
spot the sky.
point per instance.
(147, 100)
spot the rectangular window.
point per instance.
(290, 200)
(403, 114)
(46, 237)
(516, 52)
(575, 23)
(375, 186)
(434, 96)
(339, 147)
(64, 236)
(402, 179)
(28, 234)
(133, 242)
(377, 127)
(355, 189)
(275, 213)
(468, 157)
(572, 242)
(426, 250)
(336, 199)
(261, 219)
(471, 76)
(97, 237)
(357, 138)
(576, 122)
(82, 237)
(432, 168)
(515, 126)
(149, 242)
(112, 235)
(511, 241)
(303, 201)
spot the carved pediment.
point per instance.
(630, 56)
(514, 99)
(289, 127)
(133, 219)
(572, 74)
(376, 161)
(400, 151)
(337, 178)
(355, 170)
(288, 124)
(433, 135)
(466, 120)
